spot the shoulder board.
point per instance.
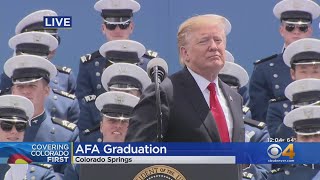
(90, 98)
(245, 109)
(47, 166)
(265, 59)
(64, 69)
(150, 54)
(282, 98)
(88, 131)
(274, 171)
(247, 175)
(89, 57)
(64, 123)
(254, 123)
(63, 93)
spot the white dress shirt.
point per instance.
(203, 84)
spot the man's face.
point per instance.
(205, 51)
(113, 130)
(305, 71)
(293, 32)
(9, 133)
(311, 138)
(36, 92)
(117, 33)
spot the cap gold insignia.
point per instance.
(36, 38)
(308, 113)
(122, 70)
(302, 86)
(115, 3)
(307, 46)
(119, 99)
(13, 102)
(124, 46)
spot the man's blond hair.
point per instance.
(190, 24)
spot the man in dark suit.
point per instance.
(185, 95)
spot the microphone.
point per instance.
(157, 67)
(157, 70)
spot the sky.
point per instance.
(254, 35)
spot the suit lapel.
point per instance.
(232, 105)
(200, 105)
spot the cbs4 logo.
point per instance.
(275, 151)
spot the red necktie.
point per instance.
(218, 114)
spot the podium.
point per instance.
(159, 172)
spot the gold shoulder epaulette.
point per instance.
(90, 98)
(254, 123)
(64, 69)
(63, 93)
(245, 109)
(89, 57)
(64, 123)
(274, 171)
(247, 175)
(47, 166)
(282, 98)
(88, 131)
(265, 59)
(150, 54)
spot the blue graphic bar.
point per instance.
(245, 153)
(138, 153)
(23, 153)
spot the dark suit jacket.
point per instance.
(186, 115)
